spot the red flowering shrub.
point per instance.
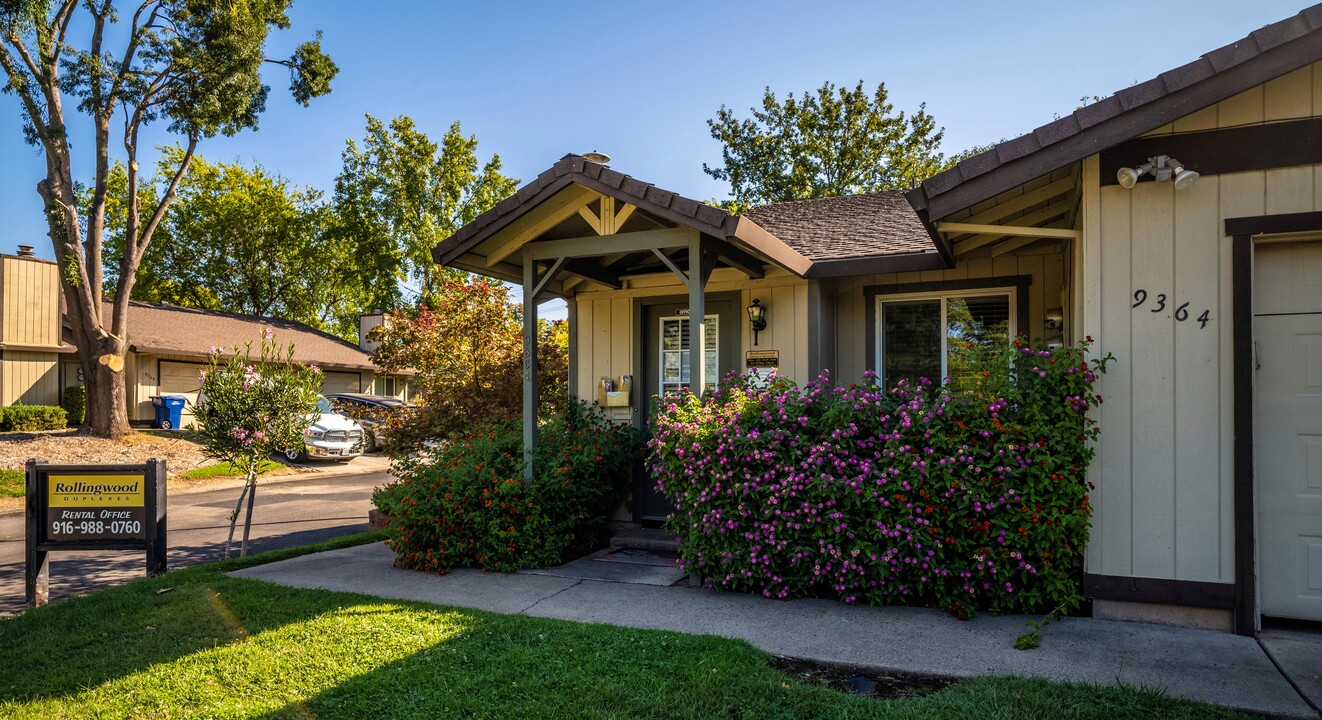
(920, 495)
(467, 504)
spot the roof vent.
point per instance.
(599, 158)
(26, 251)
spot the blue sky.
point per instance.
(534, 80)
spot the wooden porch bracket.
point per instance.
(589, 270)
(548, 276)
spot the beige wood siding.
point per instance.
(1046, 267)
(30, 312)
(1163, 473)
(606, 333)
(29, 378)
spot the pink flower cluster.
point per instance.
(917, 495)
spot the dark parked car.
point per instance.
(373, 412)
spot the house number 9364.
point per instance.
(1161, 304)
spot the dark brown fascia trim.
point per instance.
(875, 265)
(447, 254)
(329, 367)
(448, 249)
(756, 238)
(1241, 231)
(1189, 593)
(1217, 152)
(1241, 272)
(748, 233)
(943, 245)
(21, 347)
(1117, 129)
(1270, 224)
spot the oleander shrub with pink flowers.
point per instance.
(919, 494)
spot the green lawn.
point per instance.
(13, 483)
(196, 643)
(225, 469)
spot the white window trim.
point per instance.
(879, 332)
(661, 350)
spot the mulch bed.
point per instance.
(871, 682)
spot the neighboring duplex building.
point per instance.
(168, 345)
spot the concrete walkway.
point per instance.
(1203, 665)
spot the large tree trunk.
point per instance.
(107, 402)
(89, 326)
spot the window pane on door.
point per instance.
(911, 349)
(675, 371)
(977, 328)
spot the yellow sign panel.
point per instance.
(95, 491)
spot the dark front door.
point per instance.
(665, 348)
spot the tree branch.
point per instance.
(23, 89)
(135, 246)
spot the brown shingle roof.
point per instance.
(174, 330)
(1265, 53)
(577, 169)
(842, 228)
(810, 238)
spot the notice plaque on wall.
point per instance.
(762, 359)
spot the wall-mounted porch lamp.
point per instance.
(1163, 168)
(757, 317)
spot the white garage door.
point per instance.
(179, 378)
(1287, 427)
(340, 382)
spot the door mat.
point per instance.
(635, 556)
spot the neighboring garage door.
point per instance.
(1287, 427)
(340, 382)
(178, 378)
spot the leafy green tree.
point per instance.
(833, 141)
(192, 64)
(250, 407)
(241, 240)
(401, 193)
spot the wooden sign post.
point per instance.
(92, 507)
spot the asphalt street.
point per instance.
(291, 511)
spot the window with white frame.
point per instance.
(942, 335)
(675, 353)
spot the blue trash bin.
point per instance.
(169, 411)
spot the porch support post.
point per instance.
(572, 322)
(697, 319)
(529, 362)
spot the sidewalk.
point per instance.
(1215, 667)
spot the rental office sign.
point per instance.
(92, 507)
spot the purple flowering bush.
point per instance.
(920, 495)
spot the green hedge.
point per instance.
(74, 402)
(33, 417)
(466, 503)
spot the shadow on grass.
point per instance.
(516, 666)
(67, 647)
(74, 574)
(214, 645)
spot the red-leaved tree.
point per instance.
(466, 347)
